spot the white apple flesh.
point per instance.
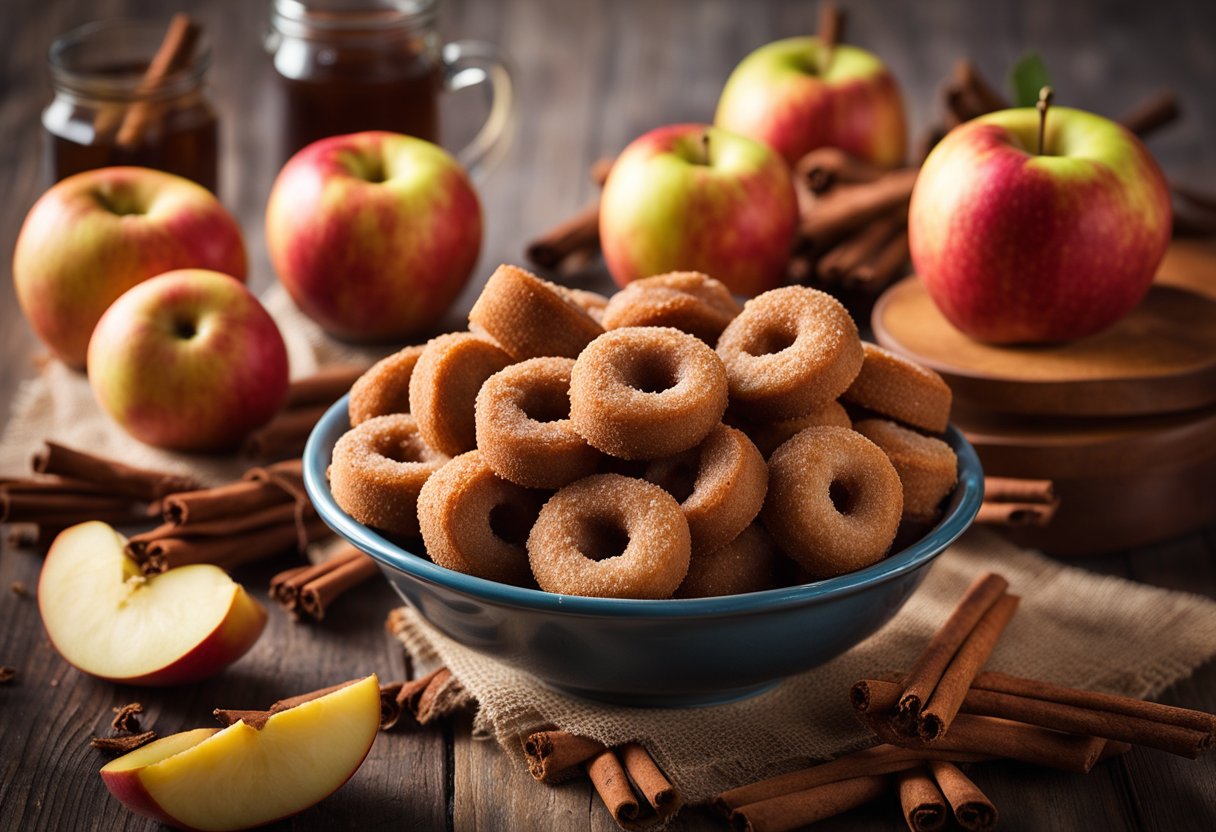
(108, 620)
(240, 777)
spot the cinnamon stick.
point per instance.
(846, 208)
(972, 809)
(612, 785)
(883, 266)
(169, 552)
(552, 755)
(323, 387)
(787, 812)
(923, 804)
(310, 589)
(173, 55)
(577, 237)
(1014, 490)
(122, 745)
(398, 697)
(52, 485)
(23, 508)
(880, 759)
(1152, 114)
(937, 713)
(191, 508)
(431, 704)
(824, 167)
(646, 776)
(116, 477)
(857, 249)
(285, 435)
(257, 719)
(927, 671)
(126, 717)
(1016, 514)
(233, 526)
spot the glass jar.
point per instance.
(103, 113)
(350, 65)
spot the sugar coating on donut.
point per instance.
(927, 467)
(385, 387)
(720, 485)
(745, 564)
(444, 387)
(902, 390)
(378, 470)
(646, 392)
(691, 302)
(791, 351)
(610, 536)
(834, 501)
(769, 436)
(524, 429)
(593, 303)
(475, 522)
(530, 317)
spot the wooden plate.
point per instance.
(1159, 359)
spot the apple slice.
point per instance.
(240, 776)
(109, 620)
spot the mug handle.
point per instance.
(468, 63)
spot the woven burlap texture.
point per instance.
(1072, 627)
(58, 405)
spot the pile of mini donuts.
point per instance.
(662, 443)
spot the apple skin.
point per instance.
(343, 724)
(94, 235)
(237, 631)
(373, 234)
(667, 207)
(189, 360)
(775, 96)
(1016, 247)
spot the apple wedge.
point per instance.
(241, 776)
(110, 621)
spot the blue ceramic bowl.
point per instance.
(653, 653)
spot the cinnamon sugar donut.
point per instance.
(792, 350)
(378, 469)
(746, 564)
(646, 392)
(593, 303)
(688, 301)
(927, 467)
(900, 389)
(834, 501)
(610, 536)
(524, 429)
(475, 522)
(385, 387)
(720, 485)
(769, 436)
(530, 317)
(444, 386)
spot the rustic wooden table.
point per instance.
(591, 75)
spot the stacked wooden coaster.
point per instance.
(1123, 422)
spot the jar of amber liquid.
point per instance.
(105, 112)
(350, 65)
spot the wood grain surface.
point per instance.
(592, 74)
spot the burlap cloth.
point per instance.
(1072, 627)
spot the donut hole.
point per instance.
(509, 524)
(545, 405)
(601, 538)
(843, 495)
(400, 448)
(770, 341)
(652, 373)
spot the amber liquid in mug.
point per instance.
(181, 136)
(396, 90)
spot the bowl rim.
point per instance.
(960, 511)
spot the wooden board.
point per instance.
(1160, 359)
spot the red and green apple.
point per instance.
(94, 235)
(691, 197)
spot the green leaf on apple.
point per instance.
(1026, 78)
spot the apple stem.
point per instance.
(1045, 96)
(831, 26)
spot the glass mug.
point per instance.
(103, 113)
(351, 65)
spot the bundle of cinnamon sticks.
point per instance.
(1010, 501)
(631, 785)
(945, 710)
(70, 486)
(308, 591)
(265, 513)
(308, 398)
